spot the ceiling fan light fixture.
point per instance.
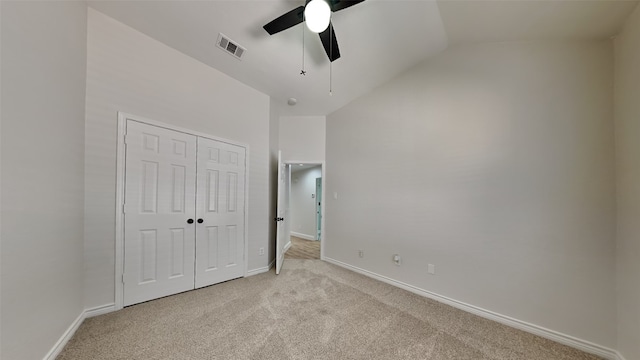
(317, 15)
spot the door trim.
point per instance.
(120, 182)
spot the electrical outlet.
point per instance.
(431, 269)
(396, 259)
(361, 253)
(261, 252)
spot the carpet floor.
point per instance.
(312, 310)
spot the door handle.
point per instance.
(200, 221)
(190, 221)
(279, 219)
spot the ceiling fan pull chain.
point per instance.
(330, 78)
(330, 57)
(303, 72)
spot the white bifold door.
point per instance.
(184, 212)
(220, 212)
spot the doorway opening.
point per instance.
(305, 211)
(313, 199)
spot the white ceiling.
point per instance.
(299, 167)
(484, 21)
(378, 39)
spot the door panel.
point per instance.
(179, 174)
(148, 256)
(177, 253)
(283, 230)
(149, 184)
(160, 178)
(212, 248)
(220, 205)
(318, 208)
(212, 190)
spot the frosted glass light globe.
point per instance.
(317, 15)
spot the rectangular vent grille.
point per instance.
(230, 46)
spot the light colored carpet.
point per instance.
(303, 249)
(312, 310)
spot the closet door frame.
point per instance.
(120, 196)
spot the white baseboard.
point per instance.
(568, 340)
(303, 236)
(68, 334)
(100, 310)
(286, 247)
(262, 269)
(64, 339)
(619, 356)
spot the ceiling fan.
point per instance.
(317, 15)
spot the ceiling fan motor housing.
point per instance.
(297, 15)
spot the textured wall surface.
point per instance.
(130, 72)
(495, 163)
(302, 138)
(43, 99)
(627, 114)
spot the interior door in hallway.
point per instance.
(220, 212)
(318, 208)
(283, 230)
(159, 211)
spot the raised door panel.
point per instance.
(221, 237)
(160, 177)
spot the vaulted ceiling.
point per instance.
(378, 39)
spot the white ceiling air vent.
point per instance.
(230, 46)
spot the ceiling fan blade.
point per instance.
(330, 43)
(337, 5)
(293, 17)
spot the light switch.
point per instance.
(335, 195)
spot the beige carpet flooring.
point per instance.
(303, 249)
(312, 310)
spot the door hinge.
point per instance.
(125, 138)
(123, 278)
(124, 208)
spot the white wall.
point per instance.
(303, 206)
(43, 95)
(1, 182)
(302, 138)
(495, 162)
(130, 72)
(627, 114)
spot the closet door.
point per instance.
(159, 212)
(220, 212)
